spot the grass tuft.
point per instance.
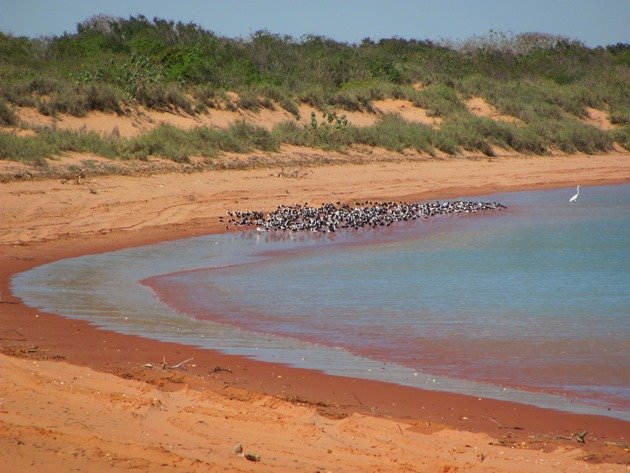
(29, 150)
(7, 114)
(440, 100)
(164, 97)
(104, 98)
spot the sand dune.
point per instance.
(599, 118)
(479, 107)
(138, 120)
(407, 111)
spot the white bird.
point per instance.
(574, 198)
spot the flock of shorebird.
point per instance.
(332, 217)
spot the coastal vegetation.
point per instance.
(544, 84)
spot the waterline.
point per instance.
(105, 290)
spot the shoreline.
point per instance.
(79, 343)
(186, 332)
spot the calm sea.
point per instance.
(529, 304)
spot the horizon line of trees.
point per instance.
(189, 54)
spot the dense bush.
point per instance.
(543, 80)
(134, 53)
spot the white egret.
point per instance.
(574, 198)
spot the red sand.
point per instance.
(35, 335)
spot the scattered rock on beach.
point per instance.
(252, 457)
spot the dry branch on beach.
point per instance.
(165, 366)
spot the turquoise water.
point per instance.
(534, 299)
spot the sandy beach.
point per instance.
(77, 398)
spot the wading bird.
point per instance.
(574, 198)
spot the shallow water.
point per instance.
(530, 304)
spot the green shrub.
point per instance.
(164, 97)
(49, 142)
(166, 141)
(327, 137)
(61, 141)
(571, 136)
(209, 96)
(290, 106)
(46, 109)
(315, 97)
(620, 117)
(103, 97)
(473, 134)
(179, 145)
(446, 143)
(532, 100)
(440, 100)
(44, 86)
(7, 115)
(249, 137)
(69, 99)
(394, 133)
(527, 140)
(281, 97)
(577, 136)
(248, 100)
(345, 101)
(24, 148)
(621, 135)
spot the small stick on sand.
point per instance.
(165, 365)
(495, 421)
(358, 400)
(579, 436)
(180, 364)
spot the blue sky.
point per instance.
(595, 22)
